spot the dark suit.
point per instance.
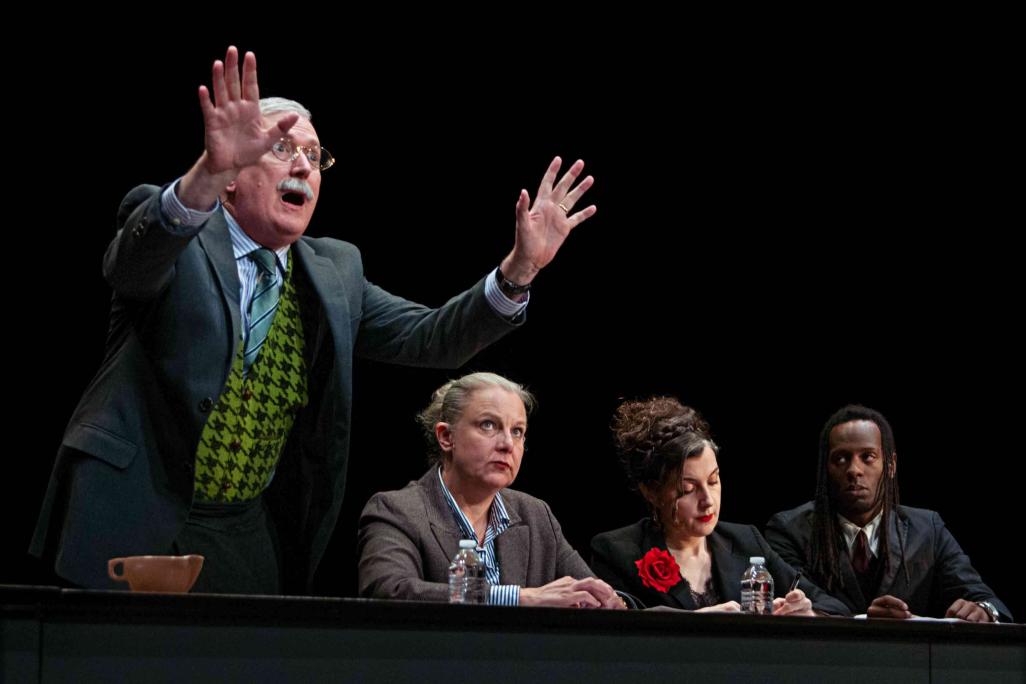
(408, 537)
(731, 546)
(123, 480)
(939, 571)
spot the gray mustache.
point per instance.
(296, 185)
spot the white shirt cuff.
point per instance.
(504, 595)
(503, 305)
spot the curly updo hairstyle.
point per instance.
(654, 437)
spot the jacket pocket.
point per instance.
(102, 444)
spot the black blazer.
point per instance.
(939, 571)
(731, 545)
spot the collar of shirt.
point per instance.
(498, 519)
(872, 529)
(243, 244)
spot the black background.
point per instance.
(782, 229)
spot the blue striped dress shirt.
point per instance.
(498, 521)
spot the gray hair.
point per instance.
(278, 105)
(451, 399)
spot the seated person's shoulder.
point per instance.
(396, 501)
(622, 537)
(921, 518)
(913, 513)
(741, 531)
(793, 515)
(523, 503)
(734, 529)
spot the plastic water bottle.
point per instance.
(757, 588)
(467, 581)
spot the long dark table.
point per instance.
(54, 635)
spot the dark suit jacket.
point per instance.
(731, 546)
(939, 571)
(123, 480)
(408, 538)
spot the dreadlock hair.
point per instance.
(825, 549)
(653, 438)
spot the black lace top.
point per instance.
(703, 599)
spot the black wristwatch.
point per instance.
(508, 287)
(991, 610)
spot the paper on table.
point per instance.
(916, 618)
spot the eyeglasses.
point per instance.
(288, 151)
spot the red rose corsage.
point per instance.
(658, 570)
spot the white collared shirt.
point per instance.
(871, 528)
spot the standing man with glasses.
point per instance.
(219, 421)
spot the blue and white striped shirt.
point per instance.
(498, 521)
(242, 245)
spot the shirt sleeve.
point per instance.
(179, 219)
(503, 305)
(504, 595)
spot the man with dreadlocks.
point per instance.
(856, 541)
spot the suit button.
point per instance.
(140, 229)
(247, 394)
(235, 446)
(206, 404)
(226, 486)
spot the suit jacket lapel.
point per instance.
(513, 548)
(217, 245)
(728, 565)
(893, 551)
(324, 277)
(444, 529)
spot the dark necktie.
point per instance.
(860, 553)
(263, 304)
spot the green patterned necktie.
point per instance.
(263, 304)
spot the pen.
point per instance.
(794, 584)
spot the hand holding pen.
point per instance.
(794, 602)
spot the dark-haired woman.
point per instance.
(683, 556)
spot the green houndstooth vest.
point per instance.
(248, 427)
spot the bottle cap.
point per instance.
(754, 560)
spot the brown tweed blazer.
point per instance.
(408, 537)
